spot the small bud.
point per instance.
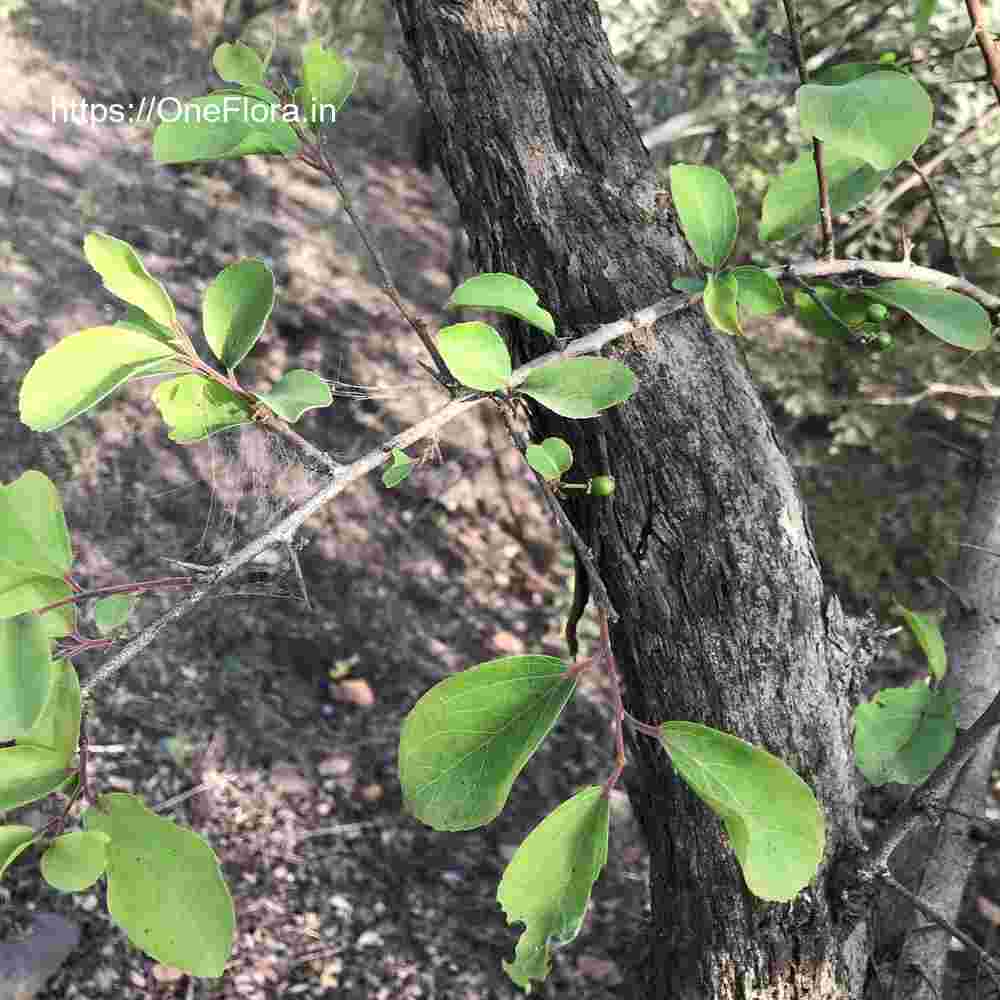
(602, 486)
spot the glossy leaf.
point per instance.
(548, 882)
(551, 458)
(955, 319)
(580, 387)
(235, 308)
(327, 81)
(33, 526)
(902, 734)
(720, 300)
(75, 861)
(927, 632)
(399, 470)
(296, 392)
(706, 206)
(758, 294)
(476, 355)
(791, 205)
(195, 407)
(14, 841)
(126, 278)
(468, 738)
(58, 726)
(238, 63)
(773, 820)
(881, 117)
(164, 886)
(503, 293)
(222, 126)
(29, 773)
(78, 372)
(112, 612)
(25, 675)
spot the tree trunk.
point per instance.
(705, 548)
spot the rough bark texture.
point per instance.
(705, 550)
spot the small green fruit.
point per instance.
(602, 486)
(877, 312)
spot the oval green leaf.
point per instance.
(399, 470)
(692, 286)
(81, 370)
(57, 728)
(29, 773)
(551, 458)
(503, 293)
(758, 294)
(195, 407)
(327, 82)
(881, 117)
(955, 319)
(706, 206)
(235, 307)
(112, 612)
(223, 126)
(468, 738)
(24, 589)
(75, 861)
(476, 355)
(721, 300)
(791, 204)
(164, 886)
(296, 392)
(14, 841)
(580, 387)
(771, 815)
(927, 632)
(126, 278)
(25, 674)
(548, 882)
(238, 63)
(902, 734)
(33, 525)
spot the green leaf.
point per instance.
(81, 370)
(29, 773)
(503, 293)
(771, 815)
(195, 407)
(326, 81)
(136, 319)
(399, 470)
(551, 458)
(33, 525)
(14, 841)
(164, 886)
(548, 882)
(882, 117)
(223, 126)
(476, 355)
(927, 632)
(468, 738)
(707, 208)
(75, 861)
(580, 387)
(925, 11)
(851, 309)
(235, 308)
(295, 392)
(955, 319)
(25, 676)
(720, 299)
(126, 278)
(24, 589)
(238, 63)
(791, 204)
(902, 734)
(112, 612)
(690, 285)
(759, 294)
(57, 728)
(837, 76)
